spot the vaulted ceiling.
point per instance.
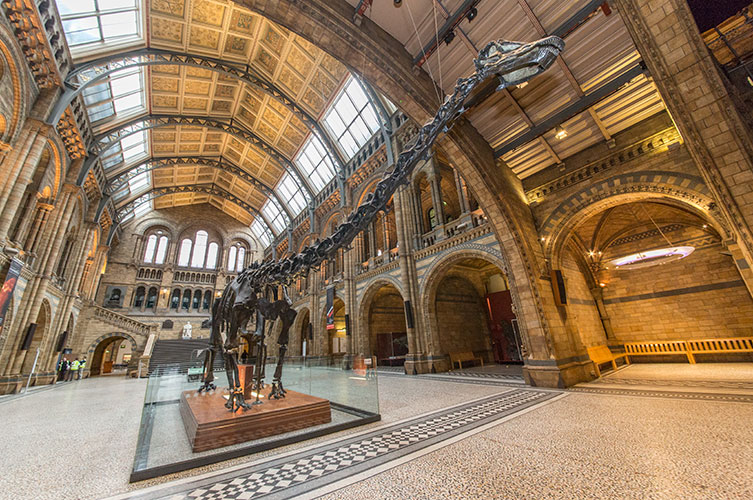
(521, 124)
(596, 89)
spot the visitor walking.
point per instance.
(73, 370)
(62, 369)
(81, 367)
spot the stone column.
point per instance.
(465, 207)
(13, 162)
(694, 91)
(34, 238)
(16, 192)
(50, 247)
(416, 361)
(436, 198)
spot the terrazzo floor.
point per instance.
(78, 441)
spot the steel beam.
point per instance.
(152, 57)
(577, 107)
(210, 189)
(115, 183)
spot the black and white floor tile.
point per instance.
(304, 472)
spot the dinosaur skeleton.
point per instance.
(253, 290)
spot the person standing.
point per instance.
(81, 367)
(62, 368)
(73, 370)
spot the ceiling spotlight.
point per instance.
(472, 14)
(397, 3)
(705, 226)
(602, 285)
(449, 37)
(560, 133)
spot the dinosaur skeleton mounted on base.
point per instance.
(511, 63)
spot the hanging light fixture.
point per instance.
(559, 132)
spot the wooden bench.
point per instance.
(658, 348)
(711, 346)
(459, 357)
(601, 354)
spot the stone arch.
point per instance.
(684, 191)
(93, 350)
(15, 64)
(433, 276)
(385, 63)
(40, 336)
(299, 330)
(365, 301)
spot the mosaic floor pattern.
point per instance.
(306, 471)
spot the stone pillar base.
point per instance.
(547, 373)
(416, 364)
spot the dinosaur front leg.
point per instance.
(287, 315)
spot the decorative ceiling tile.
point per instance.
(224, 91)
(265, 61)
(237, 45)
(164, 148)
(214, 137)
(221, 106)
(199, 73)
(190, 136)
(162, 136)
(212, 148)
(243, 22)
(313, 101)
(165, 101)
(273, 39)
(205, 38)
(170, 7)
(272, 119)
(194, 103)
(166, 69)
(165, 84)
(289, 80)
(197, 87)
(169, 31)
(189, 148)
(299, 61)
(208, 13)
(323, 83)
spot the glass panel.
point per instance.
(81, 31)
(212, 256)
(351, 118)
(273, 213)
(185, 252)
(241, 259)
(151, 243)
(348, 383)
(231, 258)
(199, 249)
(66, 7)
(260, 231)
(161, 250)
(291, 194)
(120, 24)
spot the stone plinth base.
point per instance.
(210, 425)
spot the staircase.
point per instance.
(177, 356)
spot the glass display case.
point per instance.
(165, 442)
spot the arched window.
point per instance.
(186, 304)
(231, 258)
(207, 300)
(175, 299)
(432, 218)
(199, 249)
(196, 299)
(161, 250)
(185, 252)
(240, 263)
(151, 299)
(212, 256)
(138, 297)
(151, 244)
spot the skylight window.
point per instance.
(291, 194)
(273, 213)
(119, 94)
(89, 24)
(315, 163)
(351, 118)
(137, 208)
(129, 149)
(261, 232)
